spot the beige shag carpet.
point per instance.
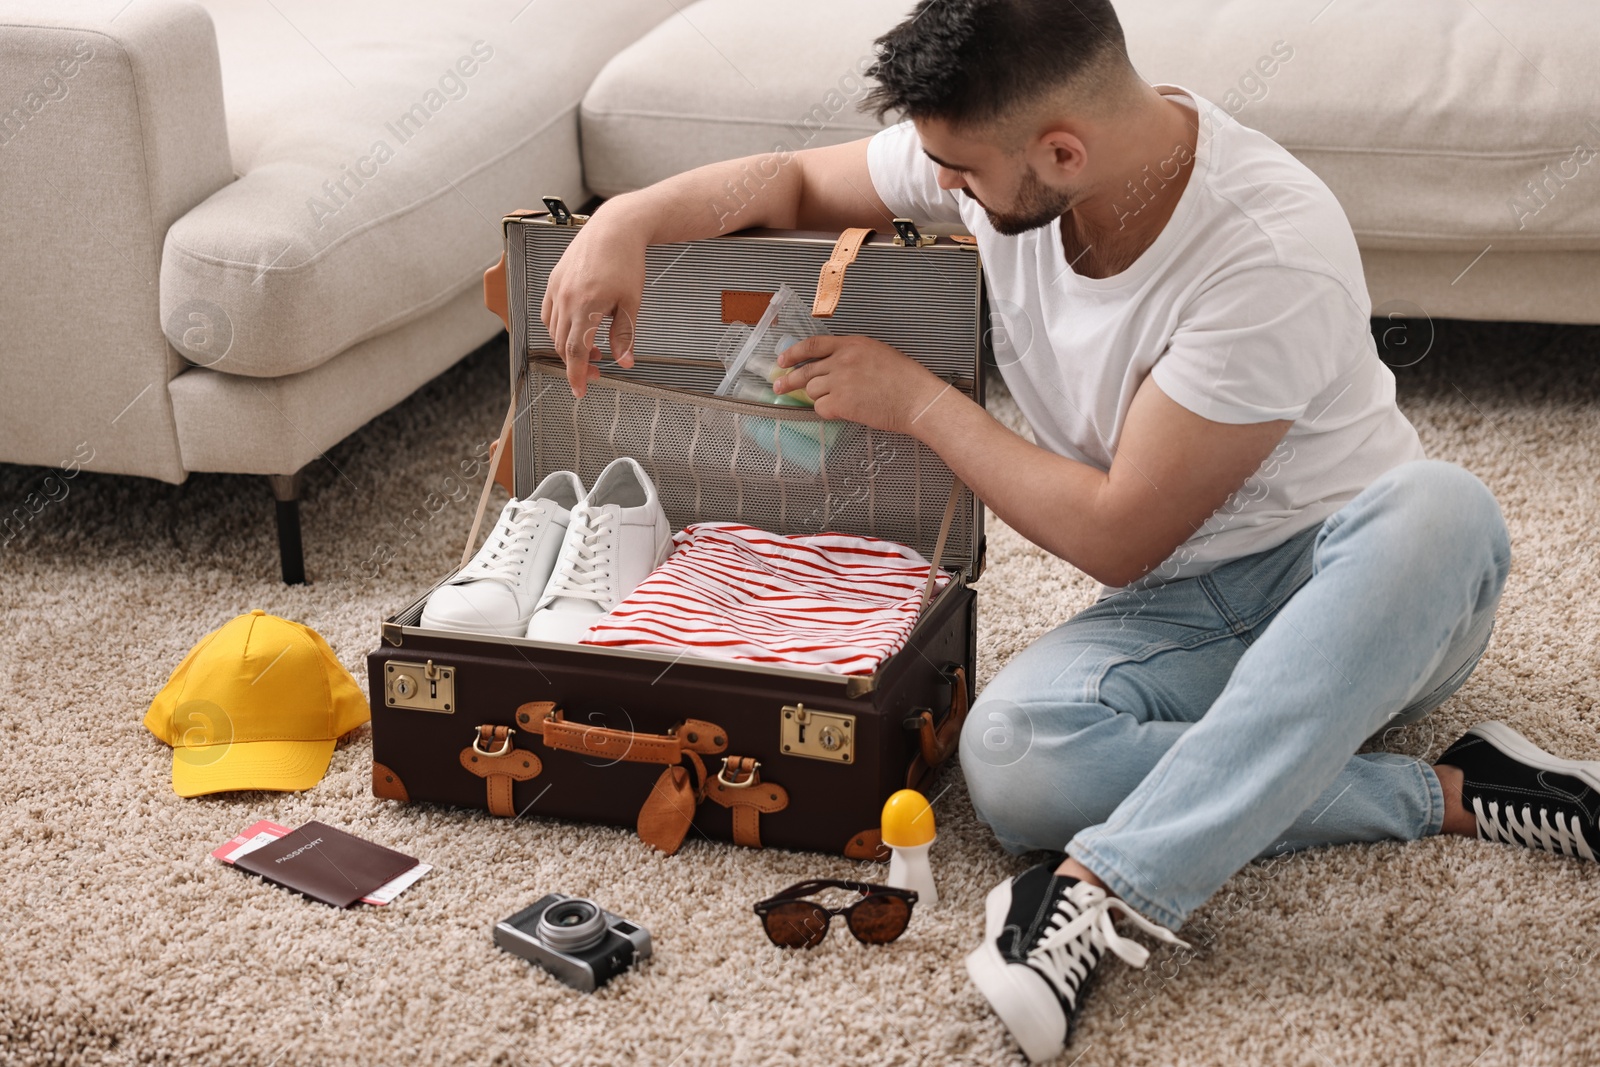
(122, 943)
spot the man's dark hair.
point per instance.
(974, 61)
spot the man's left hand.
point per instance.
(862, 380)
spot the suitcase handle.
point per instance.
(692, 735)
(939, 743)
(668, 810)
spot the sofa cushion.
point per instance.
(1434, 121)
(377, 148)
(242, 425)
(731, 78)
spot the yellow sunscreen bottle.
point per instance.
(909, 832)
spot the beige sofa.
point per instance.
(235, 233)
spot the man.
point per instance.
(1188, 332)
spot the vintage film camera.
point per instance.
(574, 939)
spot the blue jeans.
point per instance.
(1167, 736)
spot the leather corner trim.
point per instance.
(867, 845)
(386, 785)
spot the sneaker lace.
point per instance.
(1081, 931)
(502, 556)
(1564, 838)
(584, 570)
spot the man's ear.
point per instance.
(1060, 152)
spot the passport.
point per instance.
(326, 864)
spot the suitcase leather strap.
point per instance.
(830, 285)
(498, 470)
(956, 485)
(935, 745)
(739, 788)
(494, 757)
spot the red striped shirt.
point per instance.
(830, 602)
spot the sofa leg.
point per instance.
(286, 491)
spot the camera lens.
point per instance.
(572, 925)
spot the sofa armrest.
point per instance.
(111, 128)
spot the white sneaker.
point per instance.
(617, 536)
(499, 588)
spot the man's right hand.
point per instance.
(599, 277)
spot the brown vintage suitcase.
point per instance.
(676, 745)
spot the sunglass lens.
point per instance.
(796, 924)
(880, 918)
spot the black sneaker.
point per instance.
(1044, 934)
(1522, 795)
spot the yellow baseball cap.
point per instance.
(257, 704)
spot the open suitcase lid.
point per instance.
(778, 468)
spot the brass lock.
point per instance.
(906, 235)
(560, 214)
(824, 735)
(420, 686)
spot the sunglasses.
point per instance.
(877, 918)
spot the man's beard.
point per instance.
(1037, 205)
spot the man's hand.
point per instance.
(862, 380)
(599, 277)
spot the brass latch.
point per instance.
(825, 735)
(420, 686)
(560, 214)
(907, 235)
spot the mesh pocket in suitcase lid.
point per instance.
(778, 469)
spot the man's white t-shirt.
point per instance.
(1250, 306)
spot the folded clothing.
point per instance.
(831, 602)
